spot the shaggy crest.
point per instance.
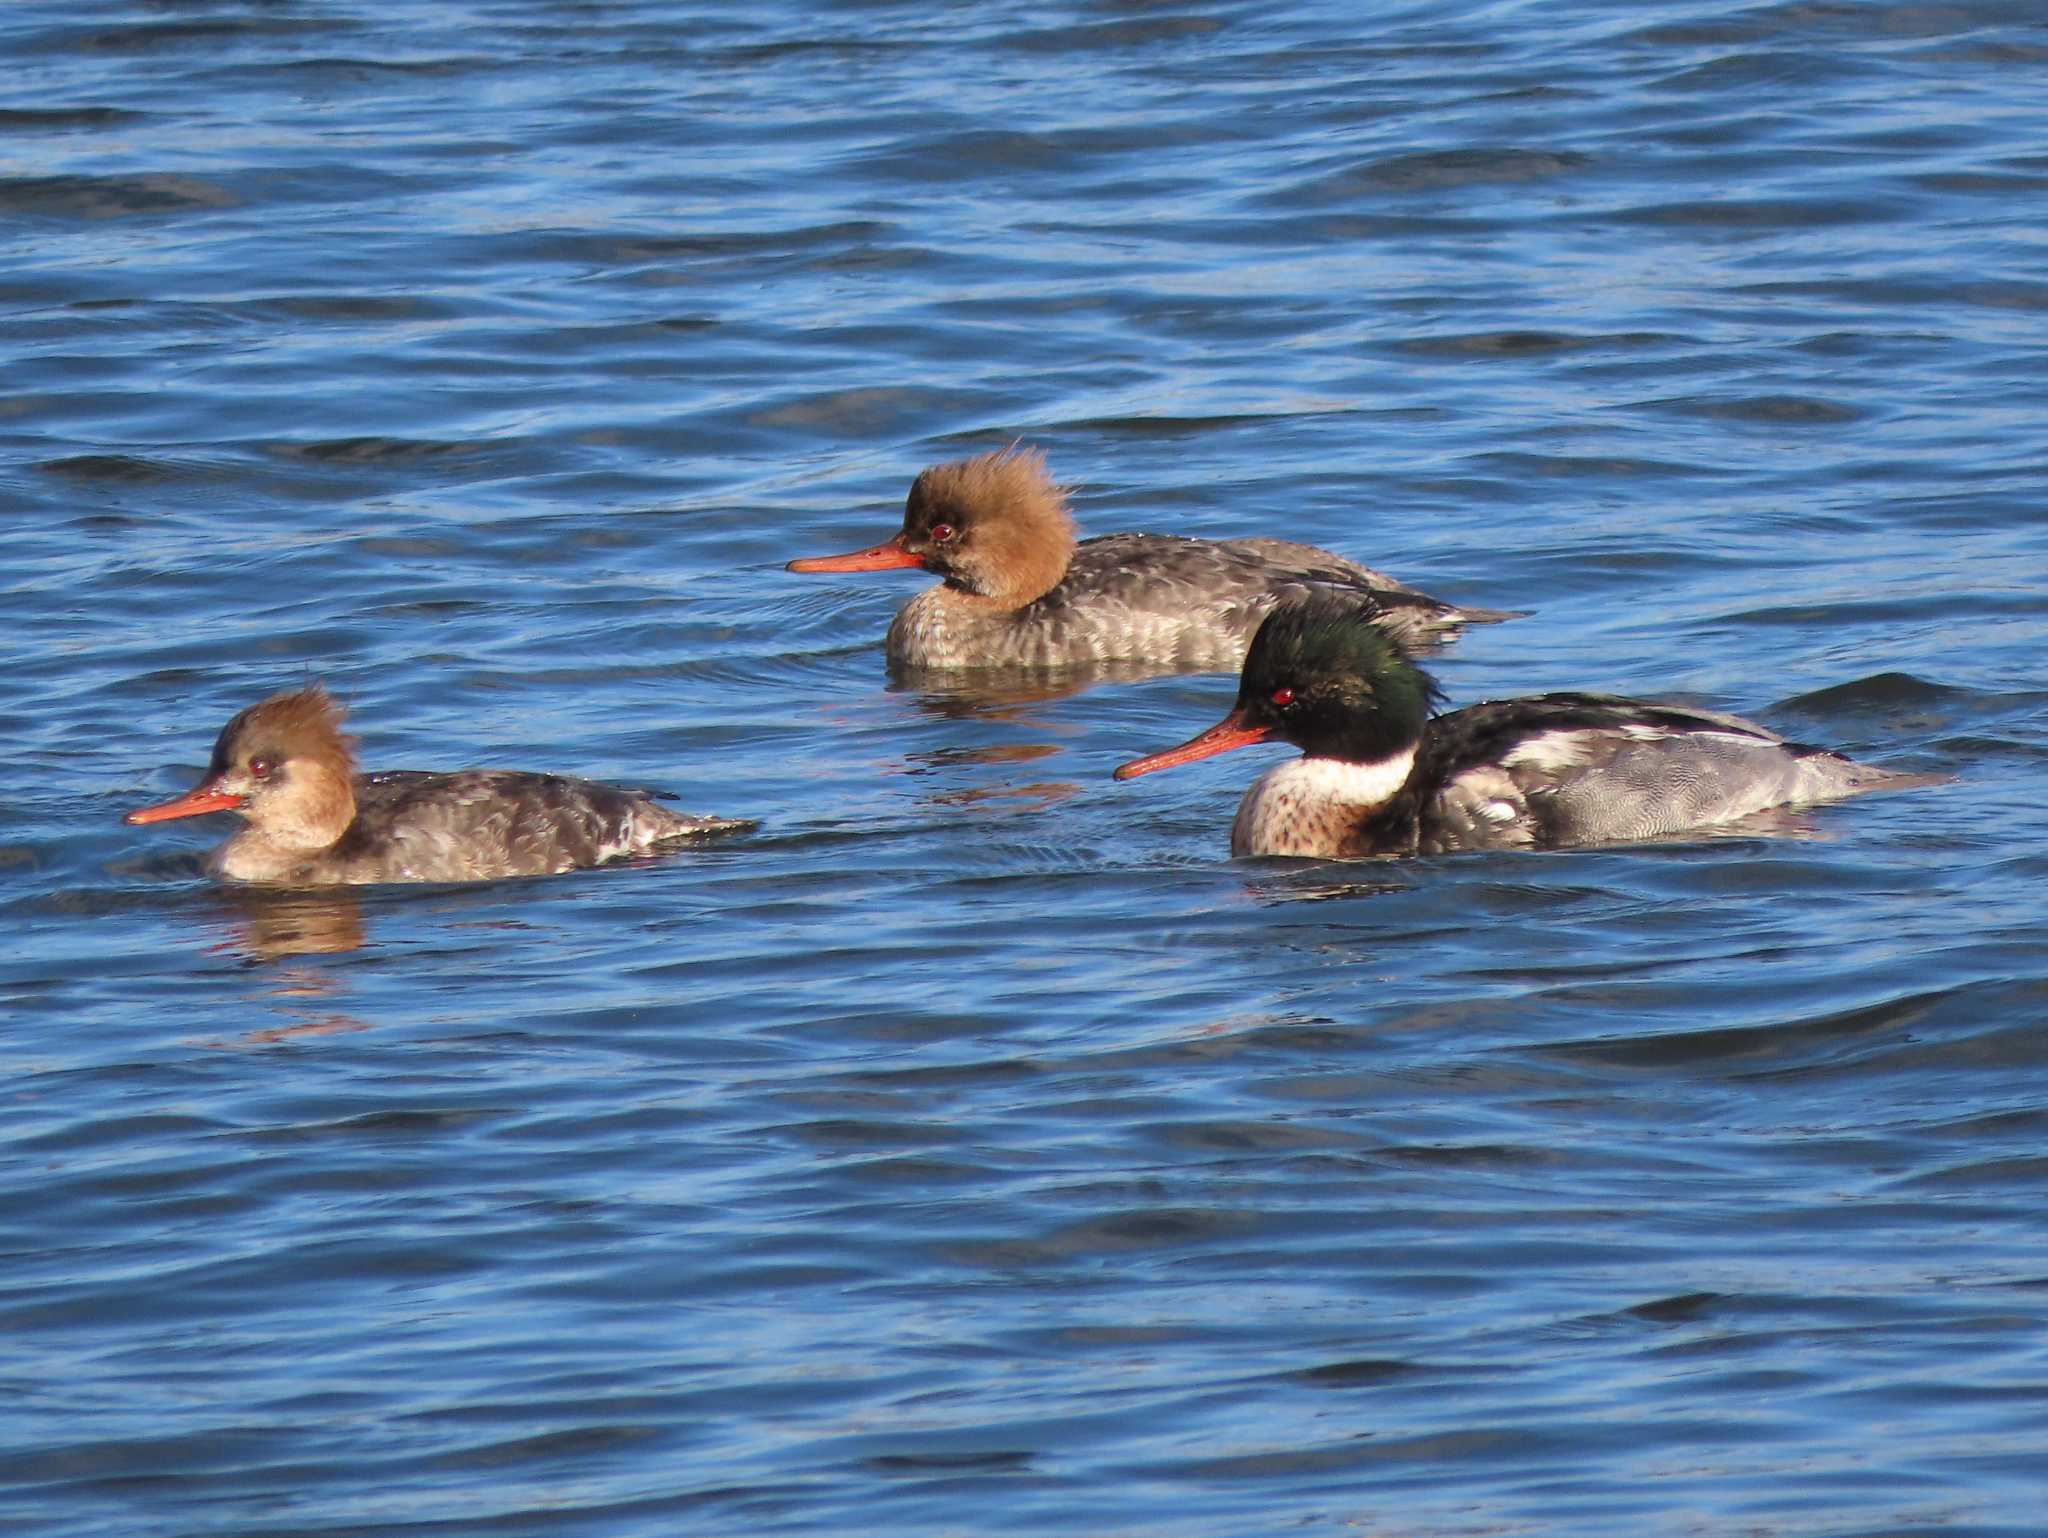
(994, 527)
(1331, 680)
(1330, 631)
(1011, 482)
(301, 723)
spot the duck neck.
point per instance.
(1361, 786)
(1020, 574)
(1314, 806)
(304, 818)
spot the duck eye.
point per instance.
(942, 533)
(1283, 695)
(263, 767)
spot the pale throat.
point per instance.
(316, 809)
(1310, 806)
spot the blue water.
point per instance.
(976, 1148)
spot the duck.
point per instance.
(286, 767)
(1382, 773)
(1017, 591)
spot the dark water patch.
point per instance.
(1752, 215)
(199, 32)
(122, 470)
(1519, 466)
(1996, 53)
(1787, 1047)
(62, 119)
(1439, 170)
(1073, 40)
(353, 308)
(855, 412)
(1358, 1374)
(1700, 32)
(978, 152)
(1686, 1308)
(357, 68)
(1888, 694)
(375, 450)
(1767, 410)
(112, 197)
(1527, 344)
(1991, 184)
(2026, 1173)
(848, 48)
(2012, 294)
(630, 248)
(1153, 427)
(1769, 70)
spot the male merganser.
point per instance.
(285, 765)
(1019, 592)
(1380, 776)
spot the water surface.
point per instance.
(976, 1148)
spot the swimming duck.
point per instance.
(285, 765)
(1018, 591)
(1380, 774)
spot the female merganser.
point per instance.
(1019, 592)
(314, 821)
(1379, 776)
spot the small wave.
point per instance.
(1776, 410)
(118, 469)
(373, 450)
(59, 119)
(111, 197)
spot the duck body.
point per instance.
(1551, 771)
(1381, 775)
(1191, 605)
(313, 820)
(466, 825)
(1019, 591)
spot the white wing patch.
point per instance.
(1573, 748)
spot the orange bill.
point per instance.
(1230, 732)
(886, 556)
(196, 802)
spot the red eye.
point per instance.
(262, 767)
(1283, 695)
(942, 533)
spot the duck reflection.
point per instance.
(272, 925)
(284, 931)
(955, 694)
(1012, 696)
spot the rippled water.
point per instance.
(975, 1148)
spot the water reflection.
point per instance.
(272, 925)
(283, 930)
(1318, 885)
(954, 694)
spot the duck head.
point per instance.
(996, 526)
(285, 765)
(1324, 676)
